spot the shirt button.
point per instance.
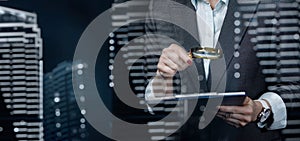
(236, 54)
(237, 22)
(237, 66)
(236, 46)
(237, 30)
(237, 39)
(237, 75)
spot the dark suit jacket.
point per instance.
(251, 80)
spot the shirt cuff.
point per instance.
(149, 92)
(148, 96)
(278, 108)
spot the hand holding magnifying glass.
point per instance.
(175, 58)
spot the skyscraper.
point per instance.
(63, 120)
(21, 68)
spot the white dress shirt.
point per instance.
(209, 23)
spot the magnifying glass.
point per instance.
(205, 53)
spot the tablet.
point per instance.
(229, 98)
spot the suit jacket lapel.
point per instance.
(226, 38)
(229, 44)
(187, 3)
(188, 20)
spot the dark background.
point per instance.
(62, 22)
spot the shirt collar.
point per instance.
(194, 2)
(225, 1)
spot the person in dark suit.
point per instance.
(210, 23)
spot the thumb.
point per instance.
(247, 100)
(184, 56)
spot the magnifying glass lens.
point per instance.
(206, 53)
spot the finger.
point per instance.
(236, 122)
(221, 116)
(174, 57)
(181, 56)
(169, 63)
(222, 113)
(247, 100)
(182, 53)
(241, 117)
(165, 71)
(185, 57)
(229, 122)
(231, 109)
(225, 115)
